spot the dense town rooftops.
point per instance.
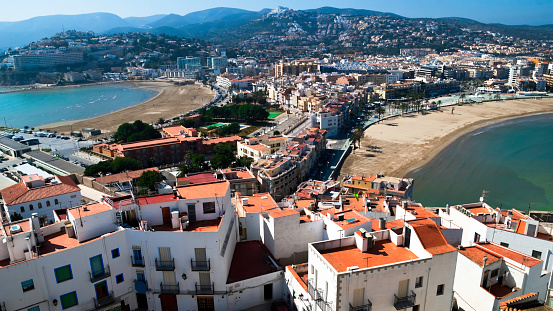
(350, 219)
(508, 253)
(256, 203)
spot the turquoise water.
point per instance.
(512, 161)
(34, 108)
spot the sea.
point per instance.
(509, 164)
(39, 107)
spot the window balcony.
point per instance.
(365, 307)
(204, 289)
(104, 301)
(162, 265)
(137, 261)
(401, 303)
(99, 275)
(170, 289)
(198, 265)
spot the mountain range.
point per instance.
(207, 24)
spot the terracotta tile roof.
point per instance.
(19, 193)
(505, 252)
(125, 176)
(431, 237)
(200, 178)
(222, 140)
(477, 255)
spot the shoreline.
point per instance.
(388, 148)
(408, 170)
(169, 102)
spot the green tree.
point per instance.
(16, 216)
(149, 179)
(136, 131)
(380, 111)
(119, 165)
(193, 162)
(243, 161)
(188, 123)
(224, 156)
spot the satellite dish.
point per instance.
(140, 287)
(481, 199)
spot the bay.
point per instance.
(512, 161)
(40, 107)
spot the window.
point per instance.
(140, 276)
(494, 273)
(35, 308)
(209, 207)
(119, 278)
(504, 244)
(47, 203)
(268, 291)
(56, 202)
(31, 207)
(22, 209)
(63, 273)
(476, 237)
(39, 205)
(416, 308)
(69, 300)
(440, 290)
(115, 253)
(536, 254)
(418, 282)
(27, 285)
(73, 196)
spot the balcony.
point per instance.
(99, 275)
(401, 303)
(104, 301)
(198, 265)
(137, 261)
(169, 289)
(365, 307)
(165, 265)
(204, 289)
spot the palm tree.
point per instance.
(439, 104)
(357, 135)
(404, 107)
(380, 111)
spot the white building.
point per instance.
(328, 121)
(488, 274)
(260, 147)
(34, 194)
(164, 252)
(383, 270)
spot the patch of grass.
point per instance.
(274, 114)
(247, 131)
(46, 149)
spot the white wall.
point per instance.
(65, 201)
(250, 293)
(469, 294)
(93, 225)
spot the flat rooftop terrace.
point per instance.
(383, 252)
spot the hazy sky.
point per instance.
(533, 12)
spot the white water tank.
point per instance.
(175, 221)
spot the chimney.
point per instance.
(382, 223)
(405, 204)
(35, 228)
(244, 201)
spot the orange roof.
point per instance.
(505, 252)
(389, 225)
(19, 193)
(91, 209)
(354, 217)
(477, 255)
(364, 178)
(222, 140)
(283, 213)
(420, 211)
(210, 190)
(521, 226)
(258, 203)
(383, 252)
(240, 174)
(24, 224)
(149, 143)
(430, 236)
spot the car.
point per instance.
(65, 138)
(58, 137)
(51, 135)
(4, 169)
(81, 139)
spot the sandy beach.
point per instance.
(402, 144)
(172, 100)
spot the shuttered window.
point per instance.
(165, 254)
(69, 300)
(63, 273)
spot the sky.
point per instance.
(512, 12)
